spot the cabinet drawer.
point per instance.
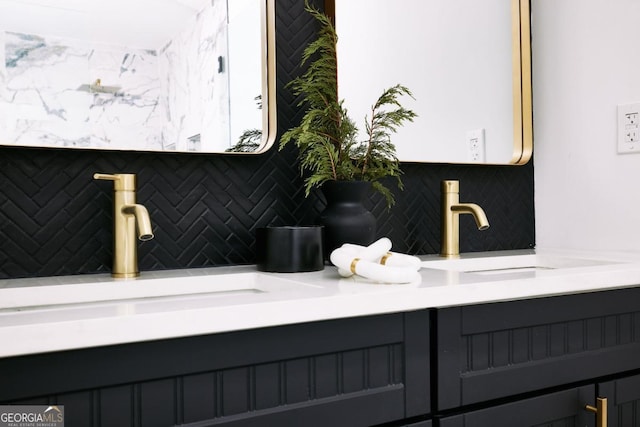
(490, 351)
(564, 408)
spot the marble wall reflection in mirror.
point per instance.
(157, 75)
(467, 63)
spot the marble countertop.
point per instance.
(63, 313)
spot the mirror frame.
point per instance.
(522, 86)
(269, 116)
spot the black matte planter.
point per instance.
(345, 218)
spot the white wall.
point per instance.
(586, 60)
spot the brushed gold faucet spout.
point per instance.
(451, 210)
(127, 217)
(143, 221)
(478, 213)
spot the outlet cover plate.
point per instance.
(629, 128)
(476, 150)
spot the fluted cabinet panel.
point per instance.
(544, 342)
(55, 220)
(219, 395)
(524, 346)
(347, 372)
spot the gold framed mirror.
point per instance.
(144, 75)
(467, 62)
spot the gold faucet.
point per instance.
(126, 214)
(451, 210)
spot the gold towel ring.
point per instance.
(384, 259)
(353, 265)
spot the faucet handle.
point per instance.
(121, 181)
(450, 186)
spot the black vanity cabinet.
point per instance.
(524, 363)
(348, 372)
(540, 361)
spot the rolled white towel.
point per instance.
(343, 259)
(379, 252)
(368, 253)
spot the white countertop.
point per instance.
(64, 313)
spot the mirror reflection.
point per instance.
(462, 59)
(159, 75)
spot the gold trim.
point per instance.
(516, 67)
(527, 86)
(384, 259)
(352, 268)
(522, 89)
(269, 110)
(270, 116)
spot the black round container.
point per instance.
(289, 249)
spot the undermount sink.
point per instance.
(28, 295)
(512, 264)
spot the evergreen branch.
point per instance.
(378, 157)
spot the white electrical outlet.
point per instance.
(629, 128)
(475, 146)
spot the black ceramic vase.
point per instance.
(345, 218)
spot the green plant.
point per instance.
(327, 138)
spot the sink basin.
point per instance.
(35, 294)
(512, 264)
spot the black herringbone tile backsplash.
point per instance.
(56, 220)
